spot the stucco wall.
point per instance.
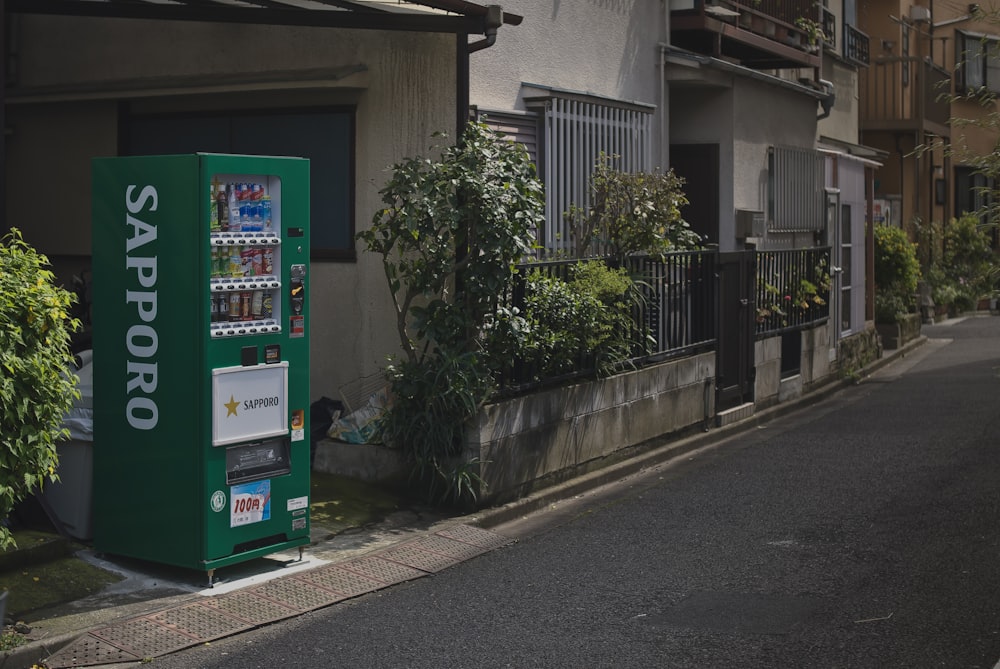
(607, 48)
(745, 116)
(406, 92)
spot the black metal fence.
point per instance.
(676, 313)
(793, 289)
(673, 312)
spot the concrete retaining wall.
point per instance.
(528, 442)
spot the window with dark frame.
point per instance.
(324, 136)
(978, 59)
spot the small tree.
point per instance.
(631, 213)
(36, 385)
(450, 235)
(967, 270)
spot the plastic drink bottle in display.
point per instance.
(232, 199)
(213, 212)
(221, 207)
(235, 262)
(265, 213)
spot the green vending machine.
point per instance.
(201, 357)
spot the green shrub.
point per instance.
(36, 385)
(897, 272)
(589, 316)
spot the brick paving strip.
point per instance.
(191, 624)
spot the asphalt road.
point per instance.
(860, 532)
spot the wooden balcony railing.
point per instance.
(905, 93)
(760, 34)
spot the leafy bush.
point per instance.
(586, 318)
(897, 272)
(36, 386)
(631, 213)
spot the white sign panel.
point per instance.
(249, 403)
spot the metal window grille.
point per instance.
(797, 190)
(576, 132)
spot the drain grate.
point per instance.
(339, 580)
(384, 571)
(456, 550)
(411, 555)
(204, 623)
(88, 651)
(254, 609)
(298, 594)
(144, 637)
(476, 536)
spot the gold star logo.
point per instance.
(231, 406)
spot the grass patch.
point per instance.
(65, 579)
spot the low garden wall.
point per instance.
(530, 442)
(895, 335)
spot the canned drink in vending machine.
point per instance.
(234, 306)
(223, 308)
(214, 309)
(246, 258)
(257, 304)
(267, 261)
(267, 306)
(246, 300)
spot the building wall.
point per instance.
(745, 116)
(842, 123)
(603, 48)
(75, 71)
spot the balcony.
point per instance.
(905, 94)
(856, 46)
(759, 34)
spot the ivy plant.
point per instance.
(37, 386)
(450, 234)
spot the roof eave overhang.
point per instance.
(465, 23)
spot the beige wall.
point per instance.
(73, 71)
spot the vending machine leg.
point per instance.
(211, 574)
(301, 550)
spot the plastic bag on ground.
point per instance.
(362, 426)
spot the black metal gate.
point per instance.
(734, 353)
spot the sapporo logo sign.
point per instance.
(234, 406)
(141, 339)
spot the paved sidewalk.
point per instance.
(345, 566)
